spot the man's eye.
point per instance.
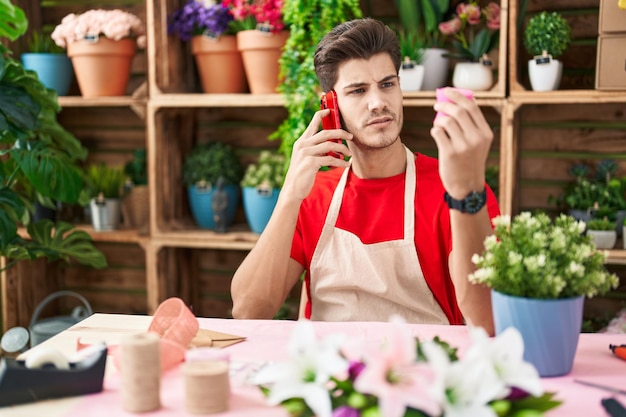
(388, 84)
(357, 91)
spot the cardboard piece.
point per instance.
(612, 19)
(611, 62)
(210, 338)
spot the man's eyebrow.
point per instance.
(361, 84)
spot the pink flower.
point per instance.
(392, 374)
(450, 27)
(472, 13)
(492, 15)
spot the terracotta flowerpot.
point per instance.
(260, 52)
(102, 67)
(219, 64)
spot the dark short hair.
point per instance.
(355, 39)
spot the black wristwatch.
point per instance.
(471, 204)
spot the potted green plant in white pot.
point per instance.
(547, 36)
(539, 272)
(104, 187)
(50, 62)
(261, 185)
(212, 173)
(603, 232)
(411, 70)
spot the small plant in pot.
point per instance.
(411, 71)
(212, 173)
(261, 185)
(539, 272)
(104, 189)
(602, 231)
(135, 205)
(50, 62)
(547, 36)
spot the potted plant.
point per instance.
(309, 22)
(212, 173)
(49, 61)
(547, 36)
(579, 196)
(104, 186)
(213, 45)
(261, 36)
(261, 185)
(136, 201)
(475, 32)
(422, 18)
(411, 71)
(101, 44)
(603, 233)
(539, 272)
(36, 154)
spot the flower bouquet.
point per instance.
(101, 44)
(334, 377)
(539, 272)
(198, 18)
(264, 15)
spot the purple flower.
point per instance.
(355, 369)
(345, 411)
(196, 19)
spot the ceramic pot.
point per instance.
(411, 76)
(258, 204)
(102, 66)
(201, 203)
(473, 76)
(436, 67)
(261, 52)
(604, 239)
(219, 64)
(54, 70)
(545, 73)
(549, 328)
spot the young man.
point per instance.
(375, 235)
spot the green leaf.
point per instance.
(481, 43)
(18, 107)
(13, 22)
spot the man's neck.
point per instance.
(379, 163)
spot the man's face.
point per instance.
(370, 100)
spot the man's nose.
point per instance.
(376, 100)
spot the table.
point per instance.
(266, 340)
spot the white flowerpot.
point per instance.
(435, 68)
(604, 239)
(624, 236)
(411, 76)
(472, 76)
(545, 73)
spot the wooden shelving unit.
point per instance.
(180, 259)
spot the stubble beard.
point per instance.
(367, 141)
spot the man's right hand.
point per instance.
(310, 154)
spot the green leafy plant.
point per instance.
(268, 172)
(41, 43)
(411, 46)
(531, 256)
(105, 180)
(136, 169)
(422, 17)
(206, 163)
(547, 33)
(601, 224)
(36, 155)
(308, 21)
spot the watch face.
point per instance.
(474, 202)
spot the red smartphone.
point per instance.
(333, 120)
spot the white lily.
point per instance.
(306, 374)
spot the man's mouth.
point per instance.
(379, 121)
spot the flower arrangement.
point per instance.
(113, 24)
(200, 18)
(533, 257)
(403, 377)
(470, 42)
(265, 15)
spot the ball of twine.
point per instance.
(141, 372)
(207, 387)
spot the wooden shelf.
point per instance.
(616, 257)
(112, 236)
(216, 100)
(118, 101)
(567, 97)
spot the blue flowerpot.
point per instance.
(54, 70)
(258, 205)
(549, 328)
(201, 203)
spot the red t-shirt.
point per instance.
(373, 210)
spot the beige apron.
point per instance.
(352, 281)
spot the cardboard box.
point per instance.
(612, 18)
(611, 62)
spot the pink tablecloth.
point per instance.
(266, 341)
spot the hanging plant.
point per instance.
(308, 21)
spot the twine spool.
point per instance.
(141, 372)
(207, 387)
